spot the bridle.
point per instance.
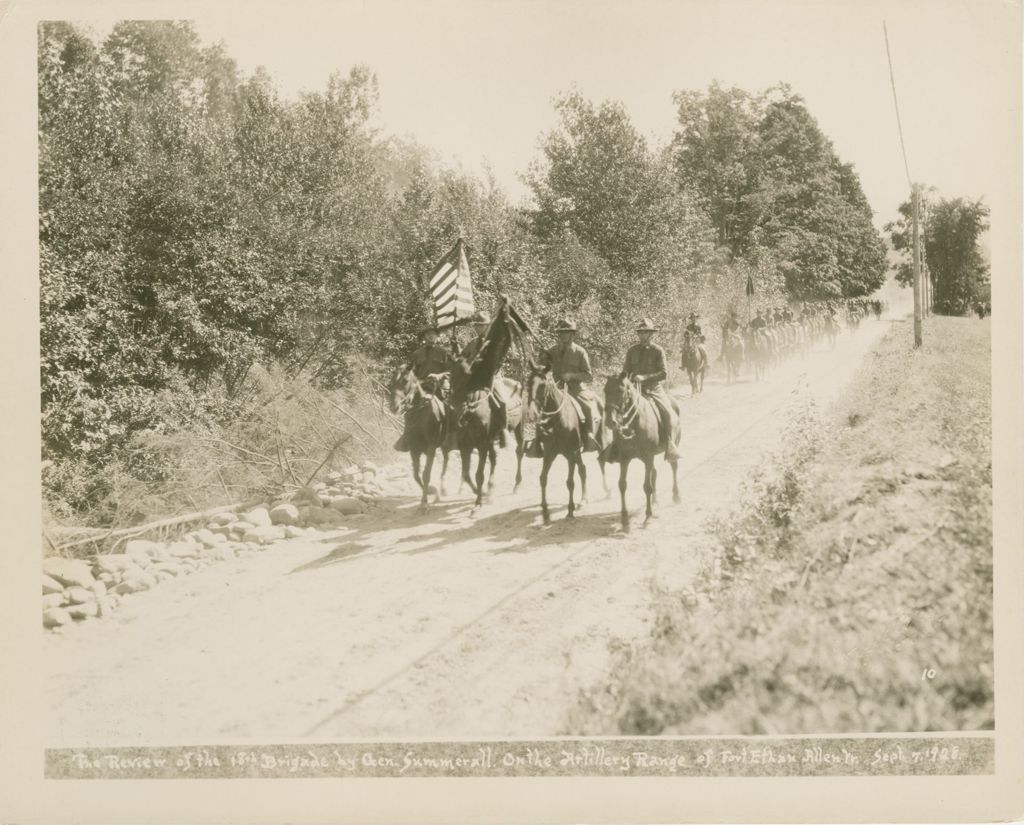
(623, 416)
(537, 402)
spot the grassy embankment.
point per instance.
(851, 590)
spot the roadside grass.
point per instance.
(851, 589)
(209, 451)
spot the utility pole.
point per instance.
(915, 196)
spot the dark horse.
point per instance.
(634, 419)
(733, 355)
(426, 418)
(560, 432)
(475, 406)
(695, 362)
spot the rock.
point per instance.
(293, 532)
(55, 617)
(213, 540)
(258, 517)
(143, 547)
(116, 562)
(347, 505)
(99, 589)
(319, 487)
(350, 472)
(264, 535)
(284, 514)
(129, 586)
(313, 515)
(52, 600)
(183, 550)
(333, 476)
(163, 575)
(306, 495)
(222, 553)
(70, 572)
(106, 606)
(239, 528)
(221, 530)
(223, 519)
(203, 536)
(83, 611)
(79, 595)
(51, 585)
(333, 490)
(168, 569)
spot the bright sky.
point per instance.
(474, 80)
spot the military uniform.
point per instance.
(499, 402)
(731, 324)
(758, 323)
(573, 360)
(648, 361)
(430, 359)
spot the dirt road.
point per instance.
(409, 625)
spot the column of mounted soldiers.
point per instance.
(569, 364)
(645, 362)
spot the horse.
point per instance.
(426, 418)
(695, 362)
(477, 425)
(634, 419)
(759, 349)
(515, 423)
(560, 432)
(831, 330)
(733, 355)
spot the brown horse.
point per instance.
(560, 431)
(426, 417)
(475, 405)
(634, 420)
(695, 362)
(733, 355)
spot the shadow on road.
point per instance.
(510, 531)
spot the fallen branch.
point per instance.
(129, 532)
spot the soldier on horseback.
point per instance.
(570, 367)
(481, 324)
(693, 330)
(430, 363)
(645, 363)
(731, 325)
(759, 322)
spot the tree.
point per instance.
(599, 185)
(774, 188)
(958, 266)
(714, 153)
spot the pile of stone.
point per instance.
(77, 589)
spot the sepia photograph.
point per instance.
(512, 389)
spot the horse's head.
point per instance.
(540, 375)
(401, 386)
(619, 394)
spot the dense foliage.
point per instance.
(196, 228)
(952, 230)
(776, 191)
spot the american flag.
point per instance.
(451, 288)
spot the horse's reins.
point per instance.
(628, 414)
(546, 414)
